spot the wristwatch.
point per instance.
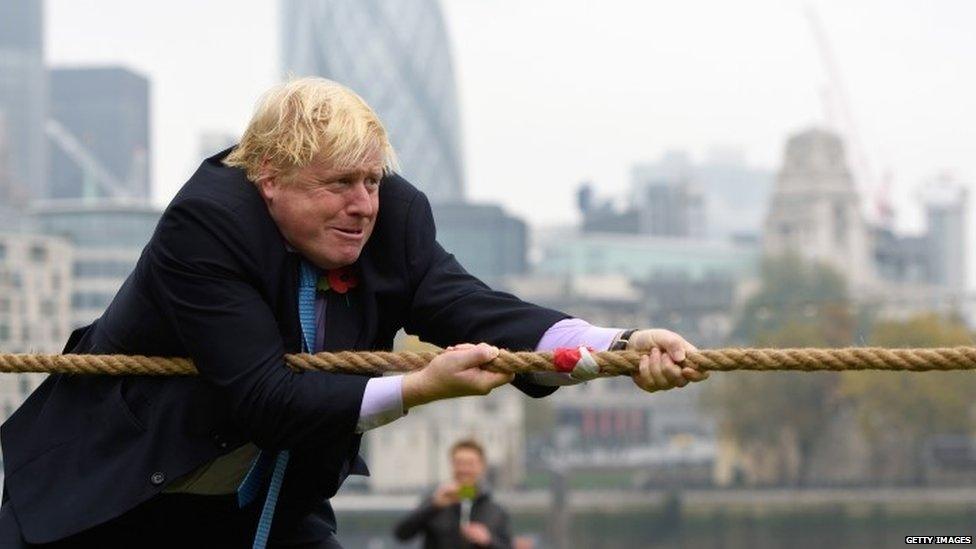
(620, 342)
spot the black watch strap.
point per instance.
(620, 343)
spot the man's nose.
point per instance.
(360, 202)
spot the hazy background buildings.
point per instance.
(648, 175)
(99, 130)
(35, 304)
(23, 93)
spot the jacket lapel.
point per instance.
(289, 324)
(345, 314)
(343, 319)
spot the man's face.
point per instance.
(468, 466)
(326, 214)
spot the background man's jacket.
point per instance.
(441, 527)
(217, 283)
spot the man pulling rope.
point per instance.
(276, 246)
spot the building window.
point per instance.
(102, 269)
(47, 307)
(490, 405)
(840, 223)
(3, 251)
(90, 300)
(38, 254)
(24, 385)
(4, 332)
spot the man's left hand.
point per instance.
(476, 533)
(662, 367)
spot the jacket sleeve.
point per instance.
(415, 522)
(450, 306)
(501, 532)
(199, 277)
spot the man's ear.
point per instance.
(267, 181)
(267, 186)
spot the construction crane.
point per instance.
(839, 118)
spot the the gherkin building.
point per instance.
(395, 54)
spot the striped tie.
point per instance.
(250, 486)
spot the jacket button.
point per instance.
(157, 478)
(219, 441)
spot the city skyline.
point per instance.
(559, 109)
(630, 165)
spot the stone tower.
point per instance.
(815, 211)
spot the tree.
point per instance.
(899, 411)
(808, 298)
(798, 304)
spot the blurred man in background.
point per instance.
(460, 513)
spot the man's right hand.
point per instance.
(454, 373)
(446, 494)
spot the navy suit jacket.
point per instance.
(217, 283)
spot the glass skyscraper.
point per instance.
(397, 57)
(100, 142)
(23, 93)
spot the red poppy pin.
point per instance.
(339, 280)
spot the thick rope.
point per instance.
(612, 363)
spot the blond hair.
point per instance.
(306, 119)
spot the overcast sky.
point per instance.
(553, 92)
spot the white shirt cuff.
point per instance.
(382, 402)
